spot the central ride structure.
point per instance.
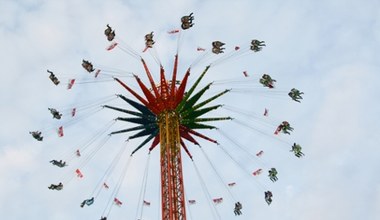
(169, 115)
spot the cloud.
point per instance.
(320, 48)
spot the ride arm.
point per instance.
(144, 110)
(180, 105)
(124, 110)
(191, 113)
(195, 98)
(129, 129)
(145, 141)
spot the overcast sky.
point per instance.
(327, 49)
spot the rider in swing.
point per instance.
(295, 94)
(88, 66)
(267, 81)
(257, 45)
(297, 149)
(36, 135)
(217, 47)
(87, 202)
(53, 78)
(273, 174)
(55, 113)
(238, 207)
(149, 40)
(284, 127)
(59, 163)
(268, 197)
(56, 187)
(187, 21)
(109, 33)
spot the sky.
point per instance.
(327, 49)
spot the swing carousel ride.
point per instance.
(162, 115)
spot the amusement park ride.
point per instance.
(170, 113)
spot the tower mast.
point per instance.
(172, 188)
